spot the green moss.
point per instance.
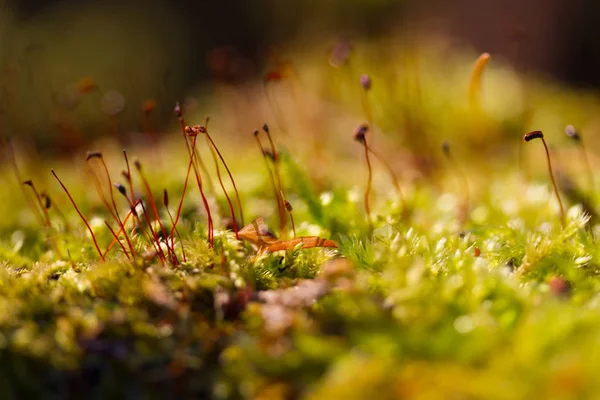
(500, 302)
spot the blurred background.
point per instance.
(73, 70)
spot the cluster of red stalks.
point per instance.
(139, 218)
(146, 220)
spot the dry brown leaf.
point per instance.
(263, 239)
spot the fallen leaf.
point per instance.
(263, 239)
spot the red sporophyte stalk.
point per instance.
(138, 166)
(166, 203)
(280, 190)
(128, 176)
(198, 162)
(117, 239)
(185, 183)
(192, 154)
(266, 129)
(80, 215)
(235, 189)
(132, 201)
(131, 212)
(194, 157)
(156, 241)
(393, 175)
(151, 238)
(237, 195)
(277, 194)
(539, 135)
(360, 135)
(98, 185)
(98, 155)
(218, 170)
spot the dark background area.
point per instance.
(163, 49)
(559, 37)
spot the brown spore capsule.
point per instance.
(533, 135)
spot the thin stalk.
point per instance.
(153, 205)
(179, 207)
(194, 157)
(211, 233)
(129, 214)
(237, 194)
(153, 238)
(80, 215)
(218, 170)
(368, 188)
(166, 203)
(129, 180)
(98, 186)
(560, 204)
(539, 135)
(198, 161)
(361, 136)
(117, 239)
(277, 193)
(114, 203)
(149, 237)
(136, 219)
(156, 241)
(280, 191)
(192, 153)
(393, 175)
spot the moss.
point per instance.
(500, 301)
